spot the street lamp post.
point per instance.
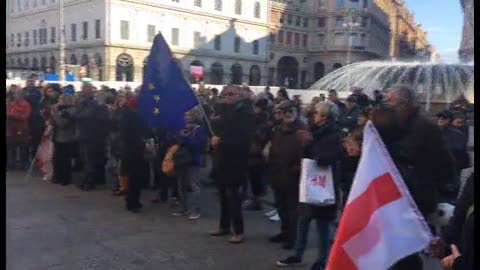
(352, 21)
(61, 60)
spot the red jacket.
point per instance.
(18, 115)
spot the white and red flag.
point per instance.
(381, 223)
(44, 153)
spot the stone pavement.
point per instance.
(53, 227)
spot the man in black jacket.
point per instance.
(234, 129)
(92, 129)
(418, 151)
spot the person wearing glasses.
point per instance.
(284, 171)
(234, 129)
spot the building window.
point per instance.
(12, 40)
(175, 38)
(297, 39)
(218, 5)
(27, 38)
(26, 4)
(74, 31)
(339, 21)
(322, 22)
(35, 3)
(255, 47)
(197, 39)
(305, 22)
(282, 18)
(85, 30)
(365, 3)
(321, 3)
(339, 40)
(280, 36)
(19, 40)
(289, 19)
(53, 34)
(238, 7)
(298, 19)
(289, 38)
(44, 2)
(197, 3)
(340, 3)
(237, 45)
(176, 1)
(124, 30)
(305, 40)
(217, 43)
(97, 29)
(321, 40)
(43, 35)
(150, 33)
(256, 10)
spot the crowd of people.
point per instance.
(254, 143)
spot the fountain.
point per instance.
(435, 83)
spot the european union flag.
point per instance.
(165, 95)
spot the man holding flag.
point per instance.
(402, 168)
(162, 102)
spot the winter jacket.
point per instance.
(260, 139)
(347, 173)
(350, 118)
(423, 159)
(92, 121)
(18, 116)
(64, 129)
(285, 157)
(457, 143)
(326, 150)
(235, 127)
(33, 95)
(194, 138)
(133, 132)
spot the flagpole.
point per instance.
(204, 115)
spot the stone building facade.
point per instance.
(407, 39)
(111, 40)
(309, 39)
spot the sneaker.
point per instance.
(275, 218)
(271, 213)
(292, 260)
(195, 214)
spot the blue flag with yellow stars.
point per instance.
(165, 95)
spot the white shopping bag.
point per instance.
(316, 184)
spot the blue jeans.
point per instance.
(324, 231)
